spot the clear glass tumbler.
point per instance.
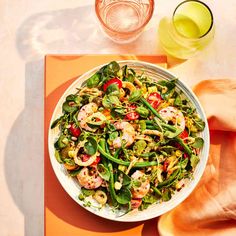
(124, 20)
(189, 29)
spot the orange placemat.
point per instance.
(63, 216)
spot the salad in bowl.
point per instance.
(127, 140)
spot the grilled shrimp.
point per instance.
(174, 115)
(84, 113)
(142, 190)
(128, 134)
(89, 178)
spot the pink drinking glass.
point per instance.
(124, 20)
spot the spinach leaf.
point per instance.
(91, 146)
(109, 101)
(87, 192)
(94, 80)
(198, 143)
(69, 108)
(166, 196)
(113, 89)
(103, 172)
(135, 95)
(142, 111)
(123, 196)
(194, 160)
(170, 85)
(58, 156)
(199, 123)
(110, 70)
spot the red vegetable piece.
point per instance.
(154, 99)
(116, 81)
(75, 131)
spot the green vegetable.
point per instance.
(125, 163)
(72, 98)
(74, 173)
(166, 196)
(135, 95)
(91, 146)
(111, 185)
(123, 196)
(103, 172)
(109, 101)
(110, 70)
(142, 124)
(198, 143)
(194, 160)
(186, 148)
(148, 105)
(169, 85)
(87, 192)
(113, 89)
(62, 141)
(94, 80)
(157, 191)
(178, 101)
(96, 119)
(69, 108)
(199, 123)
(139, 146)
(170, 179)
(170, 134)
(142, 111)
(58, 156)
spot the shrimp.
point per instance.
(174, 115)
(89, 178)
(143, 189)
(85, 112)
(128, 134)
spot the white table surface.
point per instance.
(29, 29)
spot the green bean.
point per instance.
(148, 105)
(103, 145)
(163, 123)
(117, 152)
(126, 163)
(111, 185)
(111, 158)
(152, 127)
(186, 148)
(170, 180)
(156, 190)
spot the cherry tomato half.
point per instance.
(98, 159)
(75, 131)
(112, 81)
(132, 116)
(85, 157)
(154, 99)
(184, 135)
(136, 202)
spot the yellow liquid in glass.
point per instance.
(186, 27)
(182, 38)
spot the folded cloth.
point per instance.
(211, 208)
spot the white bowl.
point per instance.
(72, 187)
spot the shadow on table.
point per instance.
(62, 31)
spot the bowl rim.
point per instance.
(187, 190)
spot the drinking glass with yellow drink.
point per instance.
(189, 30)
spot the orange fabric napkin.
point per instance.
(211, 208)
